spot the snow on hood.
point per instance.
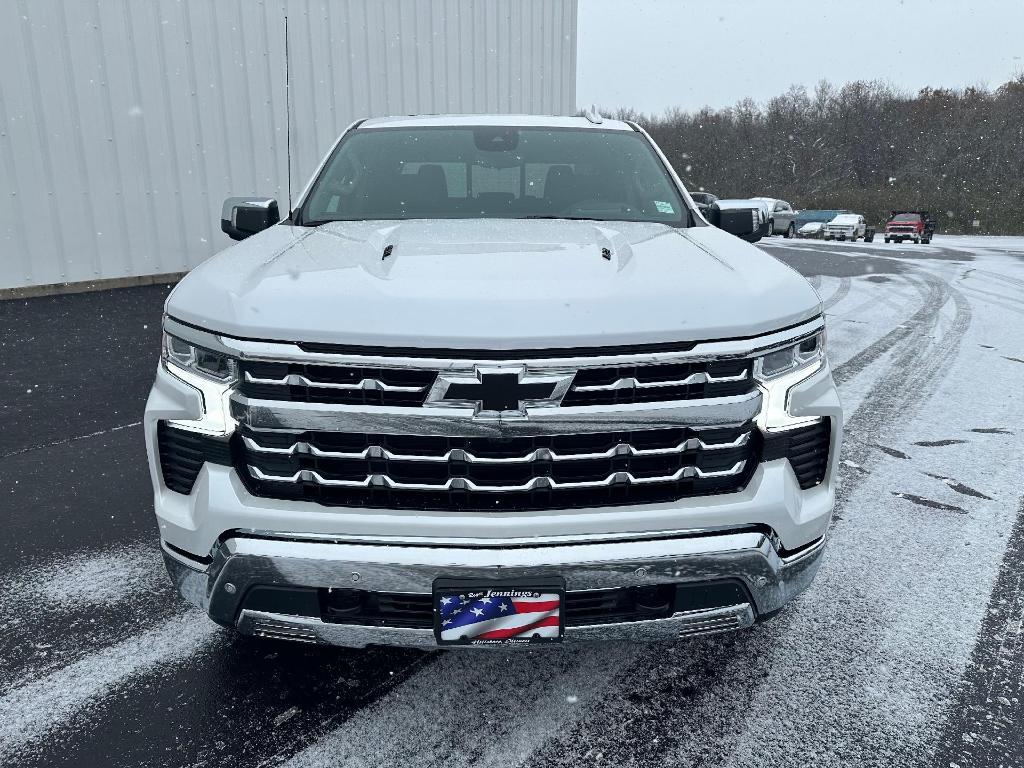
(492, 283)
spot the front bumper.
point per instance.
(768, 536)
(771, 579)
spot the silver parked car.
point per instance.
(781, 216)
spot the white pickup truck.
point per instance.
(493, 381)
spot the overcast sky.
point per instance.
(656, 54)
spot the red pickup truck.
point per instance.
(918, 226)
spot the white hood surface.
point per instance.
(492, 284)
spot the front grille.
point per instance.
(621, 385)
(349, 385)
(582, 608)
(183, 453)
(409, 387)
(497, 474)
(807, 449)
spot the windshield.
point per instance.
(845, 219)
(494, 172)
(906, 217)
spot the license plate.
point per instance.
(514, 612)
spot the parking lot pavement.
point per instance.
(905, 651)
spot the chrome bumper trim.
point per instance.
(281, 626)
(297, 379)
(631, 382)
(465, 484)
(771, 580)
(460, 422)
(458, 454)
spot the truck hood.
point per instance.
(492, 284)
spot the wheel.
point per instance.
(869, 237)
(917, 241)
(887, 240)
(791, 231)
(925, 240)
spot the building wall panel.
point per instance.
(123, 125)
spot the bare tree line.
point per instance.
(862, 146)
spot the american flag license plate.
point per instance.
(503, 613)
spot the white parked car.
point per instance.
(493, 381)
(847, 226)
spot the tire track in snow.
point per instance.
(982, 727)
(840, 294)
(504, 707)
(33, 710)
(55, 613)
(933, 300)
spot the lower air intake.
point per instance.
(807, 449)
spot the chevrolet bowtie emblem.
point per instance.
(499, 391)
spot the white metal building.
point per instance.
(124, 124)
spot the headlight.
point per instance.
(804, 354)
(778, 372)
(211, 374)
(204, 362)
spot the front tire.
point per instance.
(887, 240)
(791, 231)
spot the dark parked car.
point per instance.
(811, 223)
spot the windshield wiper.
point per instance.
(567, 218)
(318, 222)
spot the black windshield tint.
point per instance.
(486, 172)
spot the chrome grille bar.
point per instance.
(458, 454)
(297, 379)
(701, 377)
(462, 483)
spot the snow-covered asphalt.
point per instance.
(906, 651)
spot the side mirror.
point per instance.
(244, 216)
(742, 222)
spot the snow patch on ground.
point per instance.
(96, 578)
(38, 707)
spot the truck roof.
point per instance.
(514, 121)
